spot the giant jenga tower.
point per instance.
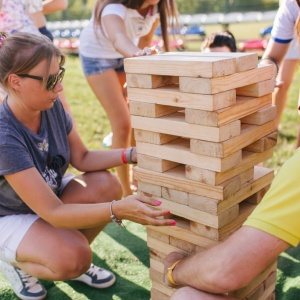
(203, 122)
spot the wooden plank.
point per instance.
(170, 95)
(258, 196)
(214, 221)
(175, 124)
(153, 137)
(164, 289)
(257, 89)
(244, 61)
(261, 117)
(262, 178)
(249, 160)
(149, 81)
(245, 209)
(264, 143)
(183, 245)
(150, 109)
(179, 151)
(185, 235)
(175, 179)
(155, 164)
(243, 107)
(168, 65)
(149, 188)
(225, 83)
(249, 134)
(174, 195)
(158, 295)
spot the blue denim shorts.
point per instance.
(93, 66)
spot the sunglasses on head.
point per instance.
(51, 80)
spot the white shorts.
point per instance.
(294, 50)
(14, 227)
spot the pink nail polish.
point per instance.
(158, 202)
(167, 212)
(173, 223)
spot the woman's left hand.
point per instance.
(149, 51)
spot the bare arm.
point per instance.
(145, 41)
(86, 160)
(231, 264)
(33, 190)
(51, 6)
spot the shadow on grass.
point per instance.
(288, 284)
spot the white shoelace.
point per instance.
(28, 280)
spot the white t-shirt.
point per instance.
(283, 28)
(99, 46)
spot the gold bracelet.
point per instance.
(170, 272)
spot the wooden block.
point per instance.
(179, 151)
(149, 81)
(258, 196)
(156, 264)
(157, 295)
(164, 289)
(150, 110)
(156, 276)
(256, 293)
(261, 117)
(158, 236)
(268, 293)
(245, 209)
(262, 177)
(215, 221)
(170, 95)
(163, 247)
(175, 179)
(185, 235)
(257, 89)
(225, 83)
(183, 245)
(249, 160)
(155, 164)
(197, 66)
(249, 134)
(175, 124)
(175, 195)
(181, 222)
(149, 188)
(247, 175)
(243, 107)
(153, 137)
(263, 144)
(243, 292)
(244, 61)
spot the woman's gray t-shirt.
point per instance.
(20, 148)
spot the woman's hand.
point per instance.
(148, 51)
(137, 208)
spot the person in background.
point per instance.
(272, 227)
(222, 41)
(48, 218)
(117, 30)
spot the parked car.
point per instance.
(266, 31)
(253, 44)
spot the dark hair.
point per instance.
(21, 52)
(167, 12)
(220, 39)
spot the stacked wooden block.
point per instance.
(203, 122)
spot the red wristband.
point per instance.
(124, 160)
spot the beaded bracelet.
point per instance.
(114, 218)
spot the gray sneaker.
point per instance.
(97, 277)
(25, 286)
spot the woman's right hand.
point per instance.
(137, 208)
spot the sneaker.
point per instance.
(107, 141)
(97, 277)
(25, 286)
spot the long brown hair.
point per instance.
(297, 24)
(167, 12)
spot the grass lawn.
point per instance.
(125, 251)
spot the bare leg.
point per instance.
(53, 253)
(279, 97)
(109, 92)
(191, 293)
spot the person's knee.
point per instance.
(72, 262)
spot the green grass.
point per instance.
(125, 251)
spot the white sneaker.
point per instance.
(25, 286)
(97, 277)
(107, 141)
